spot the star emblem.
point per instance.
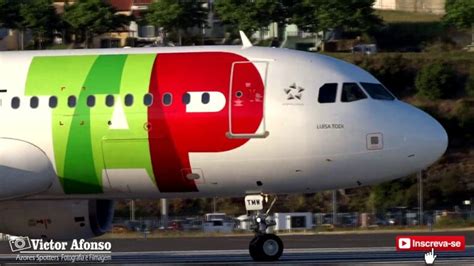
(294, 92)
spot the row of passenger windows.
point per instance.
(128, 100)
(351, 92)
(327, 94)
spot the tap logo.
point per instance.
(19, 243)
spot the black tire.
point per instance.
(253, 250)
(266, 247)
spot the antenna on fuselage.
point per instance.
(245, 40)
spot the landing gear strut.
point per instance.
(264, 246)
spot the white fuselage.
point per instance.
(301, 145)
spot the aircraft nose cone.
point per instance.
(426, 139)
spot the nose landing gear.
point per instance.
(264, 246)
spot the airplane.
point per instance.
(82, 128)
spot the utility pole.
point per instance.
(472, 209)
(472, 34)
(334, 207)
(132, 210)
(420, 195)
(469, 203)
(164, 213)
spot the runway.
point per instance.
(291, 256)
(355, 248)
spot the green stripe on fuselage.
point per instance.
(78, 133)
(60, 76)
(83, 162)
(129, 148)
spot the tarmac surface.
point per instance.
(353, 248)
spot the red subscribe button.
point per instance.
(426, 243)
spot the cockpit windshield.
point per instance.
(377, 91)
(351, 92)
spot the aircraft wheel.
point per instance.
(267, 247)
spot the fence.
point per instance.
(396, 218)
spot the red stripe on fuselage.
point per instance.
(175, 133)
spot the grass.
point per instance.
(405, 16)
(445, 56)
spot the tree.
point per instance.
(464, 111)
(391, 194)
(469, 87)
(282, 14)
(172, 15)
(3, 9)
(434, 81)
(460, 13)
(339, 15)
(40, 17)
(12, 19)
(90, 18)
(250, 16)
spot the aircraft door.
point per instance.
(247, 100)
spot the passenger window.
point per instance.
(110, 100)
(167, 99)
(53, 102)
(148, 99)
(91, 100)
(128, 100)
(71, 101)
(205, 98)
(327, 93)
(15, 102)
(351, 92)
(186, 98)
(377, 91)
(34, 102)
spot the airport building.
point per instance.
(427, 6)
